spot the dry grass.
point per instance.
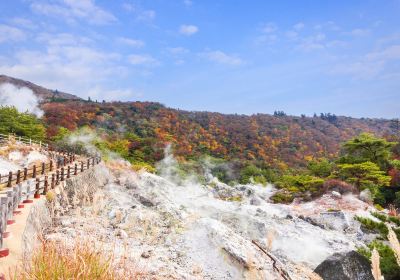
(79, 261)
(375, 264)
(394, 242)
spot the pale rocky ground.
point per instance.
(170, 228)
(186, 231)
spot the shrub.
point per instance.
(338, 185)
(301, 185)
(322, 168)
(377, 227)
(282, 197)
(388, 264)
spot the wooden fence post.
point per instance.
(37, 194)
(9, 179)
(34, 171)
(25, 173)
(68, 171)
(51, 165)
(76, 169)
(62, 174)
(92, 161)
(43, 167)
(46, 184)
(53, 179)
(18, 176)
(57, 177)
(81, 166)
(88, 163)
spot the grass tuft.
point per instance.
(82, 261)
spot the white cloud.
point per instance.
(222, 58)
(21, 98)
(371, 65)
(311, 43)
(142, 59)
(298, 26)
(388, 54)
(141, 14)
(66, 63)
(147, 15)
(99, 93)
(266, 39)
(188, 30)
(131, 42)
(72, 10)
(11, 34)
(292, 35)
(24, 23)
(269, 27)
(188, 2)
(177, 50)
(62, 39)
(358, 32)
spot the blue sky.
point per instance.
(231, 56)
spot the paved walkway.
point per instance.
(14, 241)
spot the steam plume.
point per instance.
(21, 98)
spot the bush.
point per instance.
(301, 185)
(338, 185)
(388, 264)
(282, 197)
(322, 168)
(376, 227)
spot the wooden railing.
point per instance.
(42, 177)
(22, 139)
(17, 177)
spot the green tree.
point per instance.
(364, 175)
(22, 124)
(321, 168)
(252, 173)
(61, 134)
(367, 147)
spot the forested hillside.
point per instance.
(278, 140)
(142, 129)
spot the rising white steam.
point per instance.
(21, 98)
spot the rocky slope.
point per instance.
(186, 230)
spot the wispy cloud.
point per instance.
(358, 32)
(131, 42)
(314, 42)
(67, 62)
(298, 26)
(188, 3)
(188, 30)
(222, 58)
(143, 60)
(371, 65)
(9, 33)
(141, 14)
(269, 27)
(177, 50)
(73, 10)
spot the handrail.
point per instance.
(23, 139)
(46, 175)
